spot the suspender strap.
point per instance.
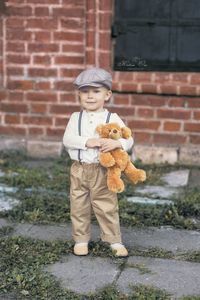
(108, 117)
(79, 128)
(79, 132)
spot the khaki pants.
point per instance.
(89, 191)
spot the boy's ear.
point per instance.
(99, 129)
(126, 132)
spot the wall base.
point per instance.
(148, 154)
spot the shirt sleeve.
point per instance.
(71, 139)
(127, 144)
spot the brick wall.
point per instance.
(44, 44)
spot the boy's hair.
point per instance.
(95, 77)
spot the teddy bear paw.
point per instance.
(116, 186)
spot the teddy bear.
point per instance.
(118, 160)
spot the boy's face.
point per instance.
(93, 98)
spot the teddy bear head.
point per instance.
(113, 131)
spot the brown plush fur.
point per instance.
(118, 160)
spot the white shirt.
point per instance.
(90, 120)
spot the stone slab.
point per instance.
(167, 238)
(149, 201)
(176, 178)
(155, 191)
(190, 155)
(3, 223)
(84, 274)
(44, 149)
(178, 278)
(194, 178)
(7, 203)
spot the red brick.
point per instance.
(63, 86)
(90, 38)
(196, 115)
(73, 3)
(68, 72)
(3, 95)
(172, 126)
(12, 119)
(173, 114)
(73, 48)
(177, 102)
(194, 102)
(121, 99)
(148, 100)
(21, 35)
(192, 127)
(195, 79)
(143, 124)
(168, 89)
(143, 76)
(180, 77)
(149, 88)
(188, 90)
(9, 130)
(42, 97)
(105, 5)
(42, 85)
(36, 72)
(169, 139)
(61, 122)
(42, 60)
(67, 97)
(38, 108)
(75, 24)
(91, 20)
(14, 22)
(42, 36)
(68, 36)
(37, 120)
(68, 12)
(90, 57)
(15, 47)
(125, 76)
(55, 132)
(141, 137)
(195, 139)
(24, 11)
(41, 47)
(43, 1)
(41, 23)
(14, 107)
(42, 11)
(20, 84)
(64, 109)
(145, 112)
(69, 60)
(35, 131)
(105, 59)
(162, 77)
(104, 21)
(13, 71)
(104, 41)
(18, 59)
(16, 96)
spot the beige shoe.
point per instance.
(81, 249)
(119, 250)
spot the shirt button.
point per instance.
(91, 122)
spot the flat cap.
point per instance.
(96, 77)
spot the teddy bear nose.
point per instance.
(115, 131)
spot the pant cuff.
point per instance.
(81, 238)
(111, 239)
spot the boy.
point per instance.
(88, 188)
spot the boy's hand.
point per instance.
(109, 145)
(93, 143)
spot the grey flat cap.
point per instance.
(93, 77)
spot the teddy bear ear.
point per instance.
(126, 132)
(99, 128)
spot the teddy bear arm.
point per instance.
(106, 159)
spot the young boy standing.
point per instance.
(88, 188)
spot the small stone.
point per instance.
(7, 203)
(157, 191)
(149, 201)
(176, 178)
(84, 274)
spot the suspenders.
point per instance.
(79, 128)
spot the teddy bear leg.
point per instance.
(121, 157)
(106, 159)
(114, 182)
(135, 175)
